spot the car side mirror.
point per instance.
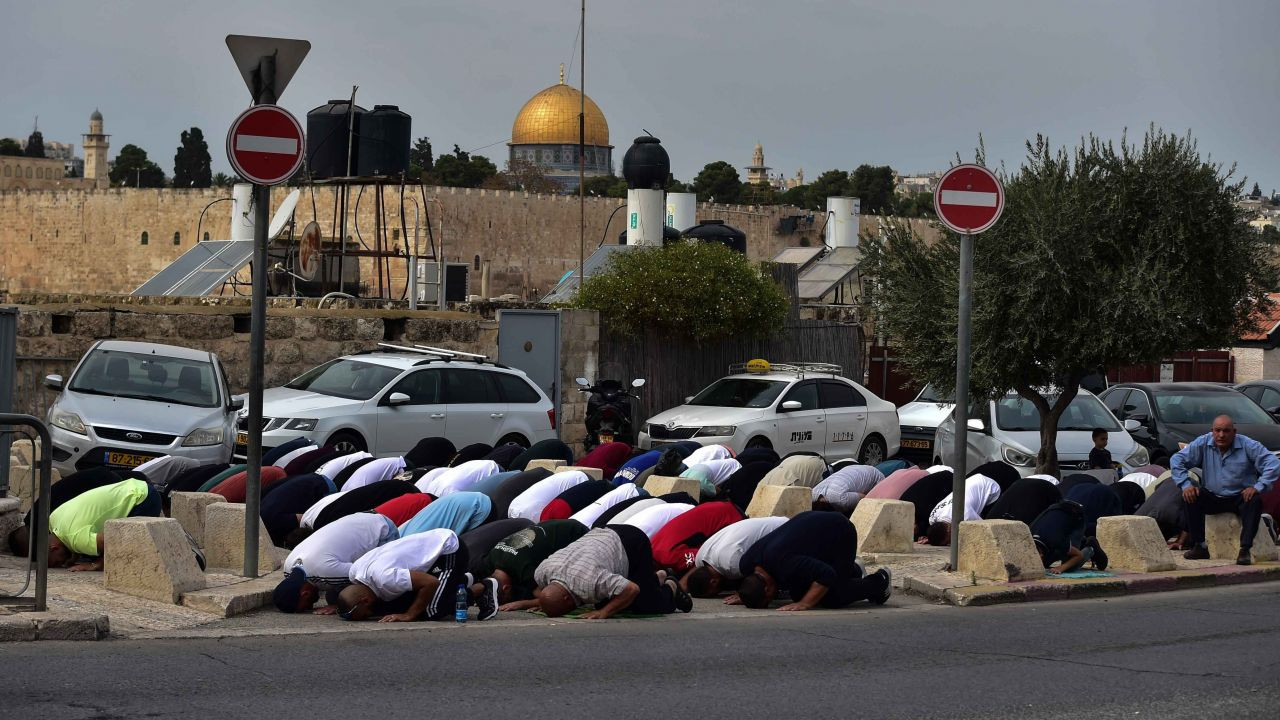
(397, 398)
(1131, 424)
(688, 399)
(53, 382)
(1275, 410)
(790, 405)
(237, 403)
(582, 382)
(637, 383)
(976, 425)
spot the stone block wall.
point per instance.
(579, 357)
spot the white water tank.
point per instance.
(682, 210)
(644, 217)
(842, 221)
(243, 213)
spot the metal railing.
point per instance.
(39, 530)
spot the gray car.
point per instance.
(130, 402)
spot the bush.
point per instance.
(687, 290)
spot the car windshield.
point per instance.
(930, 395)
(1200, 408)
(1016, 413)
(345, 378)
(147, 377)
(740, 393)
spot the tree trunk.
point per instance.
(1047, 456)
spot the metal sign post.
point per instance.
(267, 65)
(969, 200)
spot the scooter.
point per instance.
(608, 411)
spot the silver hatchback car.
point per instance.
(130, 402)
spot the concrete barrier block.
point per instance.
(24, 483)
(149, 558)
(884, 526)
(662, 484)
(1222, 533)
(1133, 542)
(552, 465)
(224, 538)
(778, 501)
(1000, 550)
(10, 517)
(188, 508)
(593, 473)
(23, 451)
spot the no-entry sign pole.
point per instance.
(262, 153)
(969, 200)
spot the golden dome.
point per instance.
(551, 118)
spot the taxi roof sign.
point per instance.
(758, 365)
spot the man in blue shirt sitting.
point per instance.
(1235, 471)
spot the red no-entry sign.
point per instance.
(969, 199)
(265, 145)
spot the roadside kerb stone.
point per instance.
(1000, 550)
(224, 538)
(1133, 542)
(884, 526)
(188, 508)
(68, 626)
(552, 465)
(234, 599)
(1222, 533)
(661, 485)
(779, 501)
(150, 558)
(980, 595)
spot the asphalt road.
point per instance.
(1193, 654)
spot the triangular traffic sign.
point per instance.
(248, 50)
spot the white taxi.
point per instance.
(788, 407)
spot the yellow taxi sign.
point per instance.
(758, 365)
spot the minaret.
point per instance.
(95, 145)
(757, 171)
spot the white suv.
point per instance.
(788, 407)
(385, 401)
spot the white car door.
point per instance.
(400, 427)
(476, 410)
(846, 419)
(803, 429)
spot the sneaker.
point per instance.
(1199, 552)
(1098, 555)
(487, 602)
(1270, 524)
(684, 601)
(883, 597)
(195, 549)
(1243, 558)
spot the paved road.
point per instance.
(1189, 654)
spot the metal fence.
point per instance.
(674, 370)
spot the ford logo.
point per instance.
(134, 436)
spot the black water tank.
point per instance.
(669, 234)
(327, 139)
(718, 231)
(646, 165)
(383, 145)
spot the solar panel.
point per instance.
(799, 256)
(819, 280)
(568, 285)
(200, 270)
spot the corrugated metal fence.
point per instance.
(674, 370)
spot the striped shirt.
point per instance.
(594, 568)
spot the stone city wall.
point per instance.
(91, 241)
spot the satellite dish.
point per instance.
(309, 251)
(283, 213)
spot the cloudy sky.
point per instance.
(821, 84)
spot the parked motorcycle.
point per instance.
(609, 412)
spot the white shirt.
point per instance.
(633, 509)
(326, 556)
(429, 477)
(1146, 480)
(651, 519)
(979, 492)
(385, 569)
(376, 471)
(706, 453)
(313, 512)
(291, 456)
(938, 468)
(717, 470)
(589, 514)
(723, 550)
(336, 465)
(462, 478)
(846, 486)
(530, 503)
(1049, 478)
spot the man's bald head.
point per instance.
(555, 600)
(1224, 432)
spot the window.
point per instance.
(1114, 401)
(28, 173)
(345, 378)
(740, 392)
(206, 236)
(8, 171)
(515, 390)
(806, 393)
(466, 387)
(177, 238)
(422, 387)
(836, 394)
(1270, 399)
(145, 238)
(477, 262)
(39, 173)
(1137, 407)
(1016, 413)
(1200, 408)
(148, 377)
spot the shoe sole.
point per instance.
(491, 594)
(888, 587)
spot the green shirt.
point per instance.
(78, 521)
(520, 553)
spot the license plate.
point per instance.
(129, 460)
(242, 438)
(605, 438)
(918, 444)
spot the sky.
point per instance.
(821, 85)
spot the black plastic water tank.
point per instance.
(383, 142)
(646, 165)
(718, 231)
(669, 234)
(327, 139)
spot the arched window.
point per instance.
(206, 236)
(39, 173)
(145, 237)
(17, 171)
(477, 264)
(28, 173)
(8, 171)
(177, 238)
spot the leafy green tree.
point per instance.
(873, 185)
(798, 196)
(718, 180)
(1097, 260)
(758, 194)
(1256, 192)
(606, 186)
(421, 160)
(192, 166)
(222, 180)
(914, 205)
(462, 169)
(688, 290)
(9, 146)
(523, 175)
(35, 145)
(133, 169)
(832, 183)
(1271, 235)
(675, 186)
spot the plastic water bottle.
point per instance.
(460, 608)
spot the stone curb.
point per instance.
(1083, 588)
(53, 626)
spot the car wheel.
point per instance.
(759, 442)
(347, 442)
(872, 452)
(513, 439)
